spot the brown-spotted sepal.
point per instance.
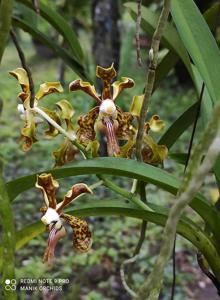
(86, 131)
(47, 88)
(65, 153)
(152, 153)
(106, 75)
(75, 191)
(155, 124)
(85, 87)
(120, 85)
(48, 186)
(28, 132)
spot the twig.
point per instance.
(192, 182)
(24, 65)
(153, 58)
(174, 270)
(122, 274)
(36, 6)
(137, 34)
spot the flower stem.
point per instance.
(71, 137)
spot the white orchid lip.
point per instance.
(107, 107)
(50, 216)
(20, 108)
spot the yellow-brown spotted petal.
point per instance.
(93, 147)
(125, 129)
(86, 131)
(106, 74)
(65, 153)
(48, 88)
(75, 191)
(28, 133)
(156, 124)
(120, 85)
(66, 109)
(82, 236)
(85, 87)
(25, 98)
(21, 75)
(66, 113)
(153, 153)
(127, 149)
(136, 105)
(52, 131)
(48, 186)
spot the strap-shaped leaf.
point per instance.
(199, 42)
(60, 24)
(178, 127)
(185, 228)
(127, 168)
(59, 51)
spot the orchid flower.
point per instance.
(33, 116)
(152, 153)
(28, 133)
(106, 117)
(53, 217)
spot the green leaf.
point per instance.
(179, 157)
(185, 228)
(59, 51)
(60, 24)
(165, 66)
(127, 168)
(199, 42)
(179, 126)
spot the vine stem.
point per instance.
(192, 182)
(153, 58)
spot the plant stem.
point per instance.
(25, 66)
(192, 182)
(8, 239)
(153, 57)
(5, 23)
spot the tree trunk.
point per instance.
(106, 45)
